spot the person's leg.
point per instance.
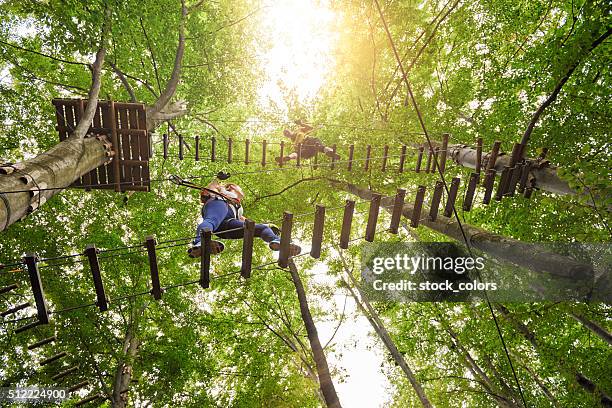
(214, 212)
(329, 152)
(264, 232)
(234, 229)
(231, 228)
(292, 156)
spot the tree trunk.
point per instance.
(56, 168)
(123, 374)
(325, 380)
(529, 255)
(584, 382)
(378, 326)
(594, 327)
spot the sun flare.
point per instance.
(299, 57)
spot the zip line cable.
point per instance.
(422, 123)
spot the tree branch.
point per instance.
(124, 81)
(286, 188)
(43, 54)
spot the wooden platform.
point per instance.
(125, 125)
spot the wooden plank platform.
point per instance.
(125, 126)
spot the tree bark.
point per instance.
(594, 327)
(530, 255)
(123, 374)
(325, 380)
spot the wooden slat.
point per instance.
(180, 142)
(317, 231)
(347, 220)
(213, 149)
(478, 154)
(469, 194)
(402, 159)
(124, 140)
(385, 158)
(31, 261)
(435, 200)
(366, 166)
(196, 143)
(282, 154)
(205, 239)
(333, 160)
(247, 147)
(315, 159)
(27, 327)
(443, 151)
(61, 120)
(153, 267)
(92, 256)
(8, 288)
(77, 386)
(434, 161)
(42, 342)
(229, 149)
(53, 358)
(64, 373)
(15, 309)
(372, 217)
(111, 117)
(488, 185)
(142, 125)
(419, 160)
(283, 257)
(493, 155)
(165, 138)
(429, 157)
(503, 181)
(525, 170)
(452, 196)
(298, 161)
(264, 148)
(247, 248)
(350, 158)
(418, 206)
(513, 179)
(516, 151)
(398, 206)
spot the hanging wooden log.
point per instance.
(503, 182)
(452, 196)
(205, 239)
(213, 149)
(429, 157)
(53, 358)
(42, 342)
(515, 175)
(282, 154)
(8, 288)
(402, 159)
(87, 400)
(264, 145)
(372, 217)
(15, 309)
(247, 145)
(317, 232)
(516, 152)
(315, 164)
(180, 138)
(64, 373)
(92, 255)
(385, 158)
(368, 155)
(247, 248)
(525, 170)
(434, 161)
(283, 257)
(493, 155)
(419, 160)
(478, 154)
(27, 327)
(197, 147)
(443, 152)
(488, 185)
(333, 160)
(435, 200)
(31, 261)
(230, 142)
(77, 387)
(469, 194)
(298, 161)
(347, 220)
(350, 158)
(152, 254)
(418, 206)
(398, 206)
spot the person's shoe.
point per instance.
(216, 247)
(293, 248)
(274, 229)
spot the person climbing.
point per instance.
(222, 213)
(309, 146)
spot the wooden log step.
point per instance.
(53, 358)
(350, 158)
(205, 240)
(493, 155)
(77, 386)
(283, 257)
(15, 309)
(435, 200)
(503, 182)
(150, 244)
(91, 252)
(419, 160)
(88, 399)
(264, 148)
(196, 143)
(42, 342)
(488, 185)
(317, 231)
(452, 196)
(27, 327)
(443, 152)
(372, 217)
(402, 159)
(347, 220)
(8, 288)
(64, 373)
(398, 206)
(471, 189)
(525, 170)
(366, 166)
(213, 149)
(31, 261)
(247, 248)
(418, 205)
(229, 149)
(385, 158)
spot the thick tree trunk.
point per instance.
(123, 374)
(325, 380)
(594, 327)
(530, 255)
(584, 382)
(378, 326)
(56, 169)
